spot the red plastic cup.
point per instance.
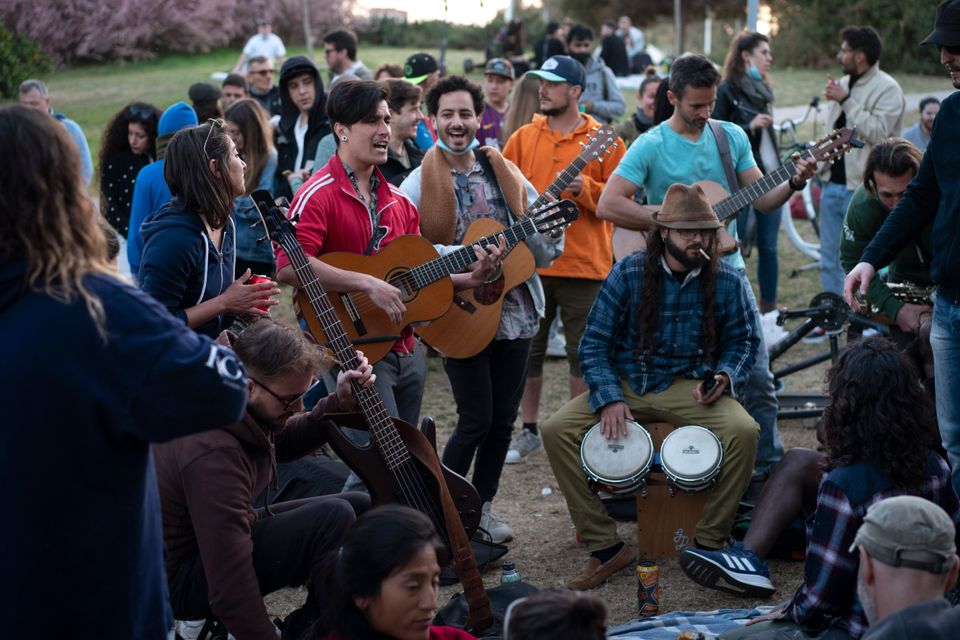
(256, 279)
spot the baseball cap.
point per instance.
(500, 67)
(418, 67)
(907, 531)
(946, 28)
(562, 69)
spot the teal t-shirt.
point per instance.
(661, 157)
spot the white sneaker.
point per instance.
(522, 445)
(498, 530)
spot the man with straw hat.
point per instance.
(664, 319)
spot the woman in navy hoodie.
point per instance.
(189, 245)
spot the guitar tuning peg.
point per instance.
(583, 144)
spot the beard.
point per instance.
(274, 424)
(553, 111)
(690, 262)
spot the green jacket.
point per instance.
(864, 217)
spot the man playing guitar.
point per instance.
(347, 205)
(456, 185)
(684, 149)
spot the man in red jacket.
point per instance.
(222, 555)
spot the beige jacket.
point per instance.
(875, 107)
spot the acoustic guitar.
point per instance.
(402, 465)
(472, 320)
(826, 149)
(412, 264)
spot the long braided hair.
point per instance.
(651, 301)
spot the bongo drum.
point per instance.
(690, 457)
(619, 466)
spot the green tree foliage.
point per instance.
(20, 58)
(808, 32)
(644, 13)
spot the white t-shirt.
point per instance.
(270, 46)
(300, 134)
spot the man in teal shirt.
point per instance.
(683, 149)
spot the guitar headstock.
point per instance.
(554, 215)
(602, 141)
(835, 144)
(278, 226)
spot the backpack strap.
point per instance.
(723, 144)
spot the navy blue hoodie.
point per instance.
(180, 265)
(81, 547)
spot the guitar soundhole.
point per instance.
(489, 293)
(397, 277)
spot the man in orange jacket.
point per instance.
(542, 149)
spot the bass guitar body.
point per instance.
(471, 322)
(383, 483)
(367, 325)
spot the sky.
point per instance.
(459, 11)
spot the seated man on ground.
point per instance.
(222, 555)
(878, 432)
(663, 319)
(908, 560)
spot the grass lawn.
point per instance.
(92, 93)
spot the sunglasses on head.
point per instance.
(137, 112)
(213, 123)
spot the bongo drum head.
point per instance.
(618, 460)
(690, 455)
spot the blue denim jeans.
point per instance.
(945, 341)
(759, 398)
(768, 231)
(833, 207)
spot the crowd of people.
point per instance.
(189, 477)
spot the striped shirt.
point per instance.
(491, 120)
(608, 347)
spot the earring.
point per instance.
(344, 138)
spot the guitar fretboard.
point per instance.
(732, 205)
(382, 430)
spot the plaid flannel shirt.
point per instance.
(608, 347)
(828, 595)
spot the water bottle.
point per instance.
(509, 574)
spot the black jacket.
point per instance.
(317, 126)
(734, 107)
(394, 171)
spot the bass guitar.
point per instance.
(471, 321)
(412, 265)
(402, 465)
(827, 149)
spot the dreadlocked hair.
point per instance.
(651, 302)
(877, 411)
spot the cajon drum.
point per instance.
(666, 516)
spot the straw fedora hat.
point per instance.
(686, 208)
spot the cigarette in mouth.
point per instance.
(705, 255)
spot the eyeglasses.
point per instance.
(213, 123)
(288, 402)
(952, 50)
(689, 234)
(137, 112)
(263, 72)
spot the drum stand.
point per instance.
(826, 310)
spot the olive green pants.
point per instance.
(726, 418)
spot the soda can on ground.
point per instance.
(648, 589)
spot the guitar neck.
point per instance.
(732, 205)
(456, 261)
(561, 182)
(382, 430)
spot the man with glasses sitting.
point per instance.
(260, 85)
(222, 554)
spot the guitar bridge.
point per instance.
(355, 318)
(464, 304)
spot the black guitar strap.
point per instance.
(725, 156)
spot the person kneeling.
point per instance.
(663, 318)
(222, 555)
